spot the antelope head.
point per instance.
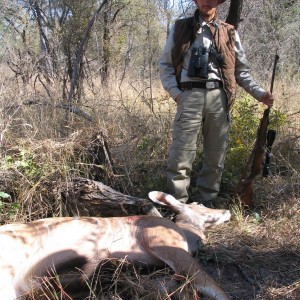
(193, 218)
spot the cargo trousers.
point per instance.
(198, 110)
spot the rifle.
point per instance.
(271, 135)
(244, 189)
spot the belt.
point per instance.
(209, 85)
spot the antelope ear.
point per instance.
(165, 199)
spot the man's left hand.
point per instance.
(268, 99)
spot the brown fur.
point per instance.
(73, 248)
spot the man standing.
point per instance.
(201, 63)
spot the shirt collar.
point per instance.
(202, 22)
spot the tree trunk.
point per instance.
(106, 47)
(86, 197)
(76, 74)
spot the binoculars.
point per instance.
(198, 66)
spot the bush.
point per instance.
(246, 116)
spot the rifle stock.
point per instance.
(254, 165)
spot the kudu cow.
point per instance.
(66, 246)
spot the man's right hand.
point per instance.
(177, 99)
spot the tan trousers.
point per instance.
(198, 109)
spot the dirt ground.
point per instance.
(258, 256)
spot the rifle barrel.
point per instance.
(274, 71)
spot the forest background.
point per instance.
(80, 75)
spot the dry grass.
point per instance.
(259, 249)
(255, 256)
(117, 279)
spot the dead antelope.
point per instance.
(30, 252)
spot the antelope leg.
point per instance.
(184, 264)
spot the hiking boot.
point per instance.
(218, 202)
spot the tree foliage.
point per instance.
(52, 39)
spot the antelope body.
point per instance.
(74, 247)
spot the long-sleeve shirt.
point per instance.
(204, 39)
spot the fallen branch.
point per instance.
(87, 197)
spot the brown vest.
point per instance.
(185, 34)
